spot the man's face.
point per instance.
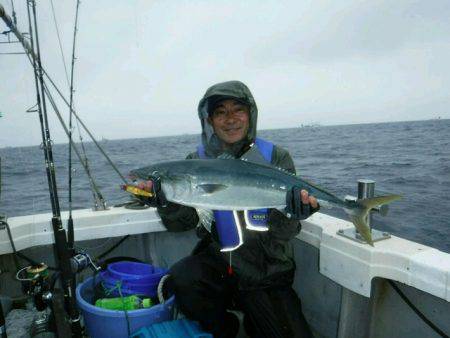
(230, 120)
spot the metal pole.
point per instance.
(366, 189)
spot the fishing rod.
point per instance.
(85, 128)
(70, 230)
(63, 255)
(97, 192)
(31, 54)
(99, 201)
(29, 51)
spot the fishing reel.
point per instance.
(81, 261)
(36, 283)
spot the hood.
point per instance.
(230, 89)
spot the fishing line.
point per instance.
(59, 42)
(58, 114)
(98, 196)
(44, 118)
(41, 71)
(61, 246)
(62, 251)
(85, 128)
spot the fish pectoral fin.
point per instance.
(206, 217)
(211, 188)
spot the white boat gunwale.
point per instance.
(350, 264)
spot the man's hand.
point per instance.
(153, 185)
(299, 204)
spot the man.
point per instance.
(255, 278)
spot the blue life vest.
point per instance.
(227, 220)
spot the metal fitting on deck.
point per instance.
(366, 189)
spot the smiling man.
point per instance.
(230, 120)
(256, 275)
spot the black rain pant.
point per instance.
(205, 291)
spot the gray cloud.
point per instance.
(341, 30)
(142, 67)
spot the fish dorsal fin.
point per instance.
(210, 188)
(285, 171)
(254, 155)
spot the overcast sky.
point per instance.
(142, 66)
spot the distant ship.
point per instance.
(310, 125)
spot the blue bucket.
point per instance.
(133, 278)
(139, 273)
(110, 323)
(112, 287)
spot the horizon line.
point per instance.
(306, 125)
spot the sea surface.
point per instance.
(407, 158)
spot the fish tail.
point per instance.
(359, 215)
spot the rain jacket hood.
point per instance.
(226, 90)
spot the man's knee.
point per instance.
(185, 273)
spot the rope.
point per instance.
(160, 290)
(417, 311)
(118, 287)
(126, 311)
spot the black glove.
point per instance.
(158, 199)
(295, 207)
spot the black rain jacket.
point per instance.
(266, 258)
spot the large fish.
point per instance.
(234, 184)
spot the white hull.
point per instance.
(342, 283)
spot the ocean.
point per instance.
(407, 158)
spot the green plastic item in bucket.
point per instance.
(101, 323)
(124, 303)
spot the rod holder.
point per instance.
(366, 189)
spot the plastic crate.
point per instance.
(172, 329)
